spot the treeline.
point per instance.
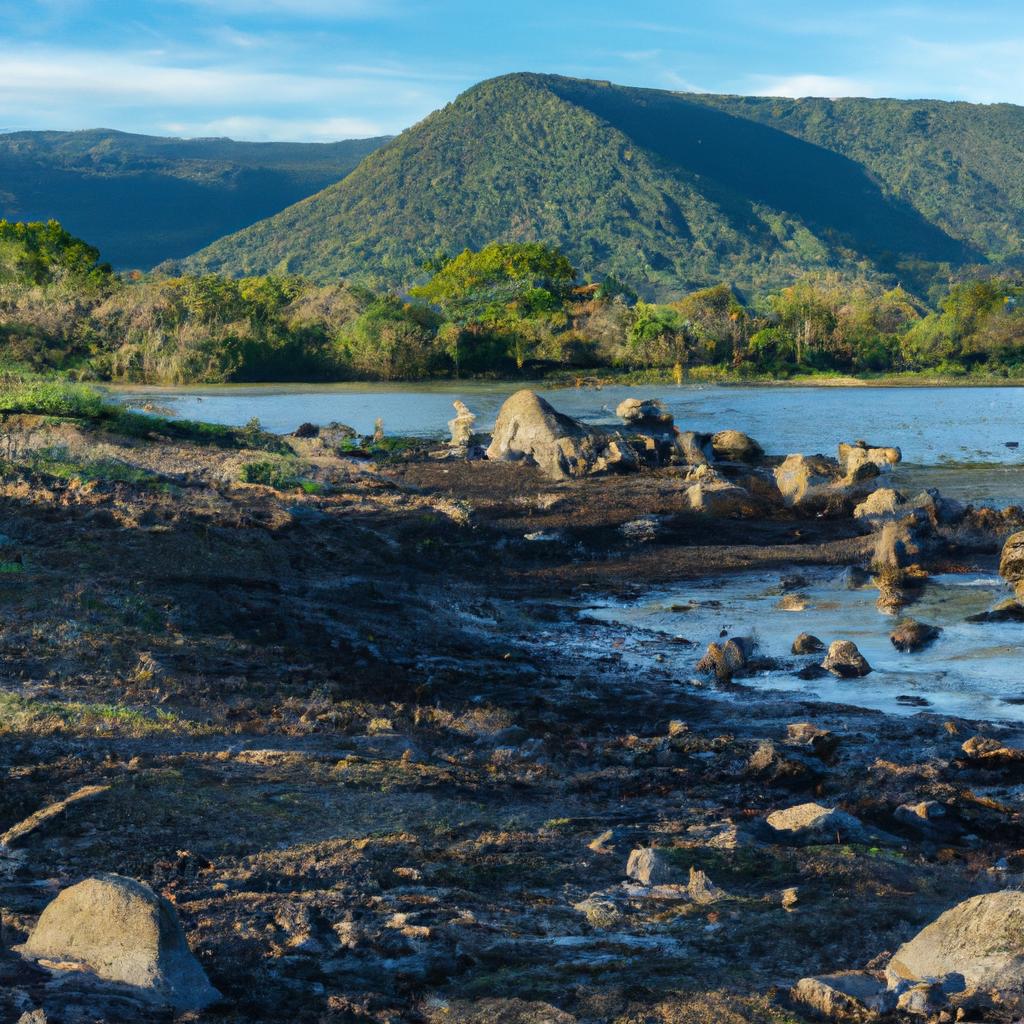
(506, 309)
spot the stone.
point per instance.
(643, 413)
(694, 449)
(820, 742)
(790, 899)
(885, 503)
(527, 423)
(462, 425)
(813, 823)
(701, 889)
(942, 511)
(1011, 563)
(975, 947)
(807, 643)
(122, 931)
(717, 498)
(735, 446)
(846, 995)
(818, 484)
(923, 816)
(600, 913)
(1010, 610)
(845, 660)
(861, 451)
(649, 866)
(726, 660)
(991, 753)
(912, 636)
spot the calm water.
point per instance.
(972, 670)
(952, 438)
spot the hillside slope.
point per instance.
(143, 199)
(668, 191)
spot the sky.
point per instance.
(321, 70)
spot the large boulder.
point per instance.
(711, 493)
(649, 866)
(852, 456)
(912, 636)
(845, 660)
(815, 483)
(976, 947)
(735, 446)
(694, 449)
(649, 413)
(122, 931)
(813, 823)
(885, 503)
(853, 996)
(1011, 563)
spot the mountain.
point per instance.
(143, 199)
(668, 191)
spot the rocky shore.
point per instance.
(322, 734)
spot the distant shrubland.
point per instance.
(507, 309)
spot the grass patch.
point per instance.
(21, 715)
(281, 475)
(20, 393)
(384, 450)
(59, 464)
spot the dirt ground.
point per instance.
(362, 739)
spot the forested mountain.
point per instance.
(667, 191)
(143, 199)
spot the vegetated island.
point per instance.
(507, 310)
(326, 724)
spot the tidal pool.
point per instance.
(972, 670)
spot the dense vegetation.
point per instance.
(143, 199)
(506, 309)
(671, 192)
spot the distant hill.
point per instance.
(669, 191)
(143, 199)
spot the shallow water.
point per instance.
(939, 429)
(972, 670)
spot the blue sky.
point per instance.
(328, 69)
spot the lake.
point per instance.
(952, 438)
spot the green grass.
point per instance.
(282, 475)
(44, 396)
(20, 715)
(59, 464)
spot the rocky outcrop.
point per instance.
(709, 492)
(726, 660)
(854, 996)
(1011, 563)
(693, 449)
(528, 428)
(991, 753)
(649, 867)
(122, 931)
(646, 413)
(807, 643)
(885, 503)
(814, 483)
(813, 823)
(735, 446)
(853, 456)
(462, 425)
(976, 947)
(845, 660)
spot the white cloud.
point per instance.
(265, 129)
(809, 85)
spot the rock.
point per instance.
(735, 446)
(649, 866)
(924, 816)
(991, 753)
(976, 947)
(820, 742)
(813, 823)
(818, 484)
(307, 430)
(904, 542)
(600, 913)
(885, 503)
(527, 424)
(701, 889)
(941, 511)
(1010, 610)
(845, 660)
(694, 449)
(717, 497)
(726, 660)
(646, 413)
(771, 766)
(492, 1011)
(1011, 563)
(123, 932)
(335, 434)
(790, 899)
(462, 425)
(912, 636)
(846, 996)
(807, 643)
(860, 451)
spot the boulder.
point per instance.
(845, 660)
(735, 446)
(924, 816)
(701, 889)
(856, 454)
(716, 496)
(976, 947)
(726, 660)
(904, 542)
(819, 742)
(816, 483)
(885, 503)
(912, 636)
(991, 753)
(122, 931)
(462, 425)
(941, 511)
(807, 643)
(813, 823)
(1011, 563)
(693, 449)
(649, 867)
(1010, 610)
(646, 413)
(853, 996)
